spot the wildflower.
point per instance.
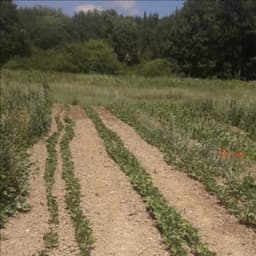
(239, 154)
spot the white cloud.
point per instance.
(127, 6)
(87, 7)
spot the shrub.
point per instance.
(93, 56)
(154, 68)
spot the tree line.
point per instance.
(215, 38)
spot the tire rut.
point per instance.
(120, 223)
(218, 229)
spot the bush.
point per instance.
(93, 56)
(154, 68)
(25, 115)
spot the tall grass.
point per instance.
(104, 89)
(25, 115)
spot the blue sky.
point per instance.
(125, 7)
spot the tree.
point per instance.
(46, 27)
(209, 38)
(193, 38)
(125, 40)
(149, 37)
(13, 36)
(88, 25)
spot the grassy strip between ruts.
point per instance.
(51, 237)
(51, 164)
(82, 228)
(178, 234)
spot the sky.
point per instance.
(125, 7)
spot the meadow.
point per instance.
(204, 128)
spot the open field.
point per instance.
(137, 166)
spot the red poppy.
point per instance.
(239, 154)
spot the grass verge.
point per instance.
(82, 228)
(178, 234)
(51, 238)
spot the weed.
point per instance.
(51, 239)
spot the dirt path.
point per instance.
(120, 223)
(220, 230)
(67, 243)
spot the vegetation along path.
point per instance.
(220, 230)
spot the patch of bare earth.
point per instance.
(220, 230)
(120, 223)
(67, 243)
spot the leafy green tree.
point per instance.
(46, 27)
(125, 41)
(149, 37)
(209, 38)
(87, 25)
(193, 38)
(13, 36)
(203, 39)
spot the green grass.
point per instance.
(104, 89)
